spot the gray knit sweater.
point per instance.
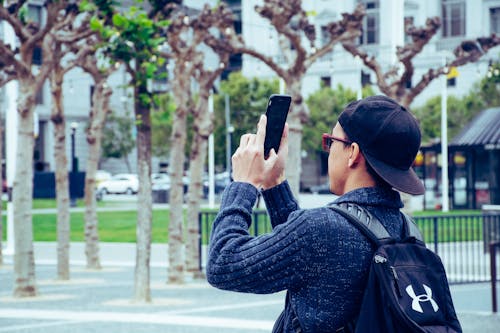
(315, 254)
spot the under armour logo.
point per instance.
(427, 297)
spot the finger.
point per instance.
(272, 159)
(284, 138)
(261, 132)
(251, 139)
(244, 140)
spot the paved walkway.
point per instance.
(98, 301)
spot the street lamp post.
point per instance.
(74, 165)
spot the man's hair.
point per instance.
(378, 180)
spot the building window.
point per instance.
(37, 56)
(371, 28)
(453, 18)
(92, 90)
(39, 96)
(326, 81)
(365, 79)
(34, 14)
(495, 20)
(409, 22)
(325, 35)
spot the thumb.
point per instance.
(284, 139)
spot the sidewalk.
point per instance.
(97, 301)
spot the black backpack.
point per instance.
(407, 288)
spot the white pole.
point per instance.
(444, 142)
(211, 179)
(359, 70)
(282, 86)
(11, 95)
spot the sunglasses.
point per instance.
(328, 139)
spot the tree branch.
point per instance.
(345, 30)
(13, 20)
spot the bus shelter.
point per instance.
(473, 161)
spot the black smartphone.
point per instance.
(276, 113)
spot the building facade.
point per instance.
(383, 31)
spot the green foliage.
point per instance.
(161, 125)
(117, 141)
(489, 86)
(131, 37)
(461, 110)
(325, 105)
(248, 100)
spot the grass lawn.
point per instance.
(113, 226)
(120, 226)
(51, 203)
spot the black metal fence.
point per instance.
(462, 241)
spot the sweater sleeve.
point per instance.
(240, 262)
(280, 202)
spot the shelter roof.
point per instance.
(483, 130)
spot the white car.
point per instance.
(160, 181)
(120, 183)
(100, 176)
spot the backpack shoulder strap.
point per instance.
(411, 229)
(362, 219)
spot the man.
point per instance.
(316, 255)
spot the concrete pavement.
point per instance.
(97, 301)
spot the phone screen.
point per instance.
(277, 111)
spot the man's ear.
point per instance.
(355, 156)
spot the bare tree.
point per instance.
(182, 50)
(292, 25)
(220, 18)
(1, 201)
(20, 60)
(5, 77)
(393, 82)
(61, 161)
(100, 109)
(59, 47)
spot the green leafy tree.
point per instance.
(248, 100)
(118, 141)
(489, 86)
(300, 48)
(135, 37)
(461, 110)
(325, 105)
(161, 126)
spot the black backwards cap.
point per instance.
(389, 137)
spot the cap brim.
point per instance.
(405, 181)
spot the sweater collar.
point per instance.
(372, 196)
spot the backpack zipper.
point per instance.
(379, 259)
(396, 278)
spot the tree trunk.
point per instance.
(177, 158)
(203, 127)
(62, 184)
(24, 263)
(94, 139)
(127, 163)
(296, 118)
(144, 199)
(1, 193)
